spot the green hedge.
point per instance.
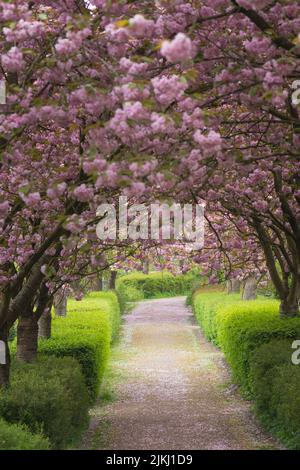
(275, 383)
(206, 306)
(53, 395)
(98, 302)
(18, 437)
(49, 397)
(127, 293)
(243, 327)
(139, 286)
(257, 345)
(86, 334)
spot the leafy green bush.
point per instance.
(49, 396)
(189, 298)
(257, 345)
(98, 302)
(128, 293)
(242, 327)
(85, 334)
(139, 286)
(205, 307)
(262, 361)
(17, 437)
(275, 385)
(12, 333)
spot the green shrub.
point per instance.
(262, 361)
(129, 293)
(138, 286)
(85, 334)
(98, 302)
(275, 385)
(257, 345)
(48, 396)
(17, 437)
(242, 327)
(189, 298)
(205, 307)
(12, 333)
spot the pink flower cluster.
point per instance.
(140, 27)
(4, 208)
(133, 68)
(135, 111)
(13, 61)
(178, 50)
(24, 30)
(209, 144)
(257, 45)
(32, 199)
(57, 191)
(168, 89)
(97, 165)
(73, 42)
(83, 193)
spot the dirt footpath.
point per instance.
(168, 388)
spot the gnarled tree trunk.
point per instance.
(250, 288)
(28, 326)
(27, 337)
(45, 323)
(112, 280)
(288, 310)
(4, 357)
(60, 304)
(233, 286)
(99, 283)
(146, 267)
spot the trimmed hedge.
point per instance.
(275, 384)
(86, 334)
(18, 437)
(49, 396)
(206, 306)
(257, 345)
(139, 286)
(243, 327)
(127, 293)
(97, 302)
(53, 395)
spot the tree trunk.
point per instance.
(99, 283)
(233, 286)
(112, 280)
(45, 323)
(27, 338)
(250, 288)
(60, 304)
(4, 358)
(289, 309)
(146, 267)
(181, 265)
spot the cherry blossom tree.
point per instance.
(185, 100)
(216, 102)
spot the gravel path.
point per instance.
(171, 389)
